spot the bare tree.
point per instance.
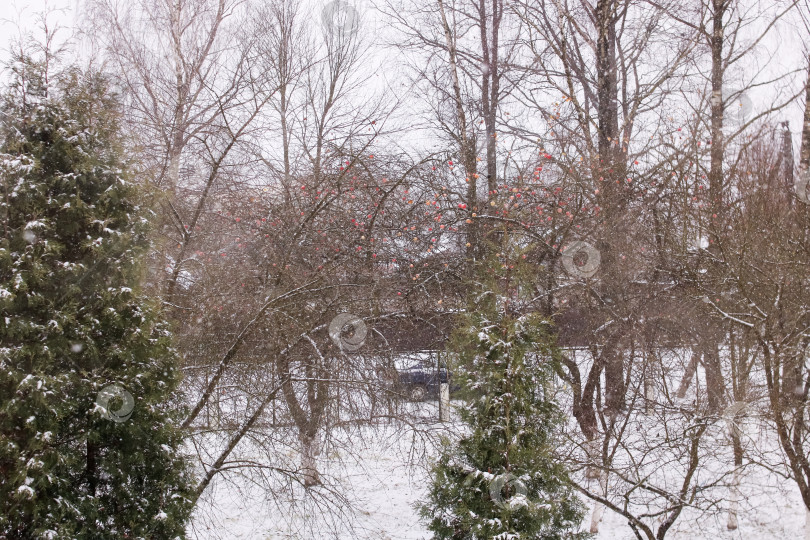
(768, 301)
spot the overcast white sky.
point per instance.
(25, 11)
(784, 42)
(22, 15)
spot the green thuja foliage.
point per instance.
(76, 460)
(501, 480)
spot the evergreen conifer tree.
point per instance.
(500, 480)
(88, 443)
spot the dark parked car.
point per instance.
(416, 375)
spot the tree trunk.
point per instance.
(736, 495)
(708, 345)
(611, 168)
(715, 385)
(309, 467)
(308, 420)
(792, 373)
(490, 87)
(650, 363)
(465, 143)
(688, 375)
(717, 153)
(788, 161)
(615, 386)
(599, 508)
(585, 398)
(804, 152)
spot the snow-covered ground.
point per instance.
(375, 482)
(372, 477)
(381, 489)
